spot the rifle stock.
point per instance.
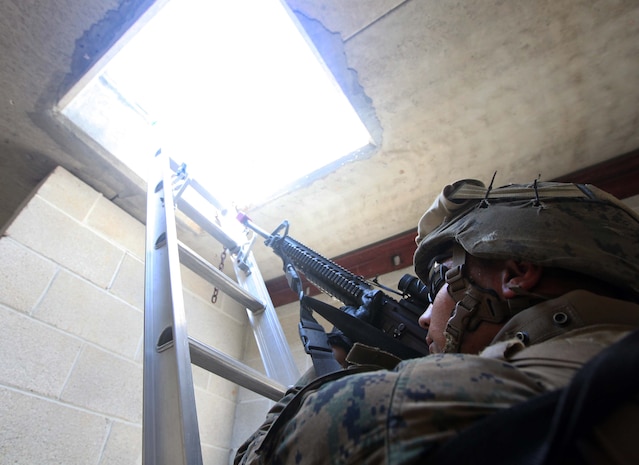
(396, 319)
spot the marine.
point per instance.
(530, 285)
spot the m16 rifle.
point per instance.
(369, 316)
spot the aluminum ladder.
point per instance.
(170, 428)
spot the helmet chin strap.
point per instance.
(475, 304)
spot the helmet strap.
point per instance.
(475, 304)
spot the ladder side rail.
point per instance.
(271, 342)
(170, 427)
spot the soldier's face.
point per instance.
(436, 316)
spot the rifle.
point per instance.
(370, 316)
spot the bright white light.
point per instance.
(235, 92)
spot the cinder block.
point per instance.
(24, 275)
(212, 327)
(292, 308)
(246, 394)
(129, 282)
(200, 377)
(215, 418)
(104, 383)
(50, 232)
(248, 418)
(252, 356)
(290, 327)
(256, 363)
(215, 455)
(232, 309)
(68, 193)
(301, 359)
(251, 350)
(204, 290)
(79, 307)
(117, 225)
(211, 382)
(35, 357)
(35, 430)
(139, 352)
(195, 284)
(124, 445)
(223, 387)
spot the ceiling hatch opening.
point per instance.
(232, 89)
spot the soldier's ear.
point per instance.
(519, 276)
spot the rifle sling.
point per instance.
(360, 331)
(316, 343)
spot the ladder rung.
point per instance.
(227, 367)
(210, 227)
(198, 187)
(197, 264)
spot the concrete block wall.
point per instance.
(71, 310)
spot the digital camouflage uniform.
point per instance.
(395, 417)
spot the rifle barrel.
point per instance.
(246, 221)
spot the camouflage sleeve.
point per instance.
(246, 454)
(386, 417)
(251, 451)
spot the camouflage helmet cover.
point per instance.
(569, 226)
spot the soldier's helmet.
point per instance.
(569, 226)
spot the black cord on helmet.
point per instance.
(484, 203)
(537, 201)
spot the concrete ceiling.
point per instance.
(451, 90)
